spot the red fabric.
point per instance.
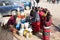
(41, 19)
(49, 23)
(11, 21)
(36, 26)
(47, 30)
(46, 37)
(41, 13)
(21, 16)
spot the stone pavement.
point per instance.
(7, 35)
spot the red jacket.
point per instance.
(11, 21)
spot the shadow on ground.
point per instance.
(39, 35)
(57, 28)
(6, 35)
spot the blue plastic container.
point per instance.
(23, 21)
(18, 26)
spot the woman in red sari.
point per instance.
(45, 18)
(35, 20)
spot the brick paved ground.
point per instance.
(7, 35)
(54, 9)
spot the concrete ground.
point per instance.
(55, 29)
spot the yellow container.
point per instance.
(25, 33)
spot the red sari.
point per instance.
(36, 26)
(48, 23)
(41, 19)
(35, 21)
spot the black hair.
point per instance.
(48, 16)
(33, 8)
(36, 9)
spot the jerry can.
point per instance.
(18, 26)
